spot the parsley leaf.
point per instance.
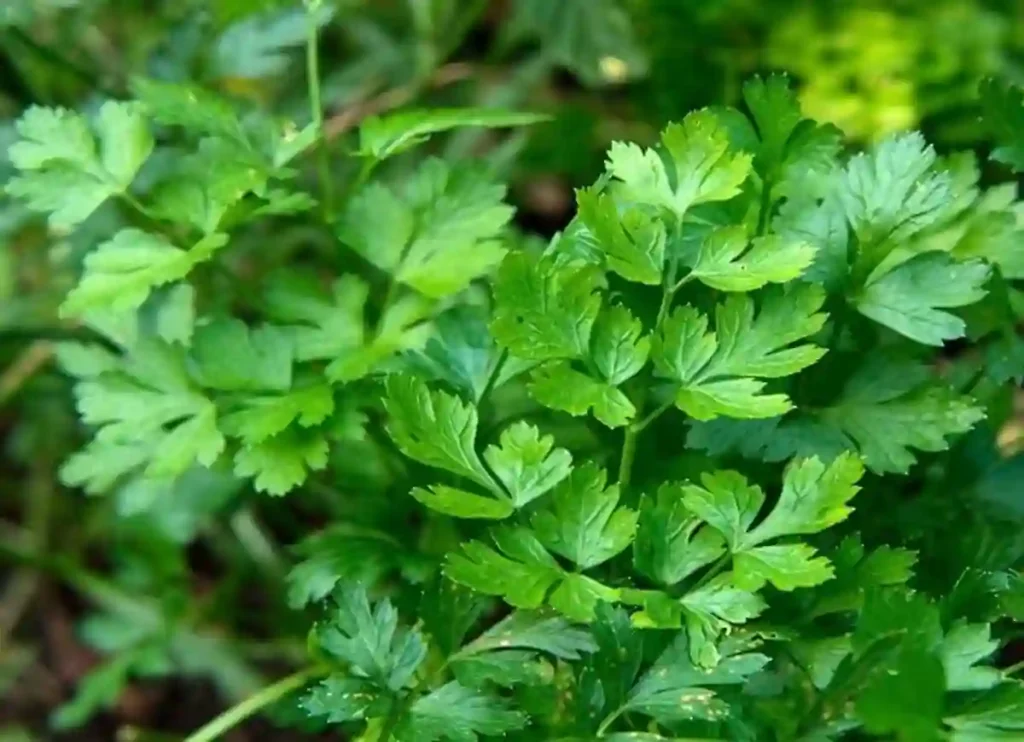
(122, 272)
(63, 173)
(542, 310)
(703, 168)
(813, 498)
(910, 298)
(436, 236)
(728, 260)
(718, 371)
(584, 523)
(633, 242)
(1003, 106)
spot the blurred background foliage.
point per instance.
(185, 573)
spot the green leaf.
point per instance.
(618, 348)
(281, 463)
(196, 110)
(578, 596)
(461, 352)
(584, 523)
(910, 298)
(533, 630)
(671, 542)
(339, 553)
(504, 668)
(963, 647)
(703, 167)
(438, 235)
(260, 417)
(544, 311)
(888, 409)
(791, 148)
(1003, 112)
(786, 566)
(459, 714)
(857, 571)
(526, 463)
(522, 572)
(122, 272)
(893, 191)
(231, 356)
(381, 137)
(148, 413)
(61, 170)
(718, 371)
(606, 679)
(993, 717)
(434, 428)
(814, 497)
(713, 609)
(728, 260)
(337, 699)
(461, 504)
(322, 325)
(369, 638)
(907, 699)
(633, 242)
(560, 387)
(674, 688)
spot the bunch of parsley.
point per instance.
(688, 471)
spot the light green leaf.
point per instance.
(121, 272)
(893, 191)
(814, 497)
(704, 168)
(728, 260)
(522, 572)
(322, 325)
(560, 387)
(281, 463)
(61, 170)
(544, 311)
(719, 372)
(618, 348)
(439, 234)
(963, 647)
(713, 609)
(381, 137)
(584, 523)
(526, 463)
(727, 502)
(577, 597)
(231, 356)
(196, 110)
(910, 298)
(461, 504)
(434, 428)
(261, 417)
(633, 241)
(786, 566)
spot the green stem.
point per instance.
(609, 720)
(1012, 669)
(628, 456)
(716, 568)
(317, 111)
(492, 379)
(662, 409)
(253, 704)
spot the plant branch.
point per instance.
(24, 367)
(351, 116)
(253, 704)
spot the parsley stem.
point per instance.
(317, 111)
(254, 703)
(1012, 669)
(628, 456)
